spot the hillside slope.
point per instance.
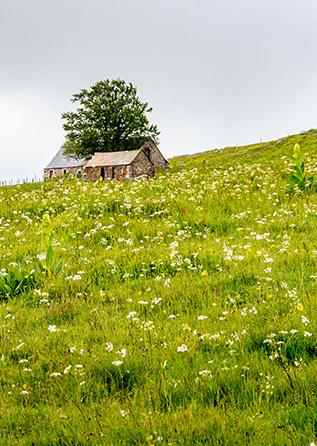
(178, 310)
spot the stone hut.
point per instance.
(118, 166)
(126, 164)
(62, 165)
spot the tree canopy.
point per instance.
(110, 117)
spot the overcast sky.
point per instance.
(216, 72)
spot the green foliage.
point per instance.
(47, 261)
(15, 282)
(179, 310)
(299, 179)
(110, 117)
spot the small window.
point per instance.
(147, 152)
(65, 171)
(50, 174)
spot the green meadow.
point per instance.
(180, 310)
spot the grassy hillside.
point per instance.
(175, 311)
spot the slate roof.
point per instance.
(112, 158)
(61, 161)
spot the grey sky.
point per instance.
(216, 72)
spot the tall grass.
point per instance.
(178, 310)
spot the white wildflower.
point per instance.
(182, 348)
(117, 363)
(305, 320)
(109, 346)
(122, 353)
(67, 369)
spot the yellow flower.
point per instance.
(300, 307)
(24, 386)
(204, 273)
(186, 327)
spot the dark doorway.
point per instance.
(113, 173)
(102, 173)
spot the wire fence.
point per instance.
(18, 181)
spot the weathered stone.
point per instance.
(153, 153)
(117, 166)
(141, 165)
(59, 172)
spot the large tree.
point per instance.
(110, 117)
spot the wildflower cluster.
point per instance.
(150, 312)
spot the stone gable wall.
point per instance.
(155, 155)
(141, 166)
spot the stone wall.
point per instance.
(155, 155)
(91, 173)
(145, 163)
(53, 173)
(119, 173)
(141, 165)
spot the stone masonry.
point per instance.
(117, 166)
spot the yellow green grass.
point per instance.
(175, 311)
